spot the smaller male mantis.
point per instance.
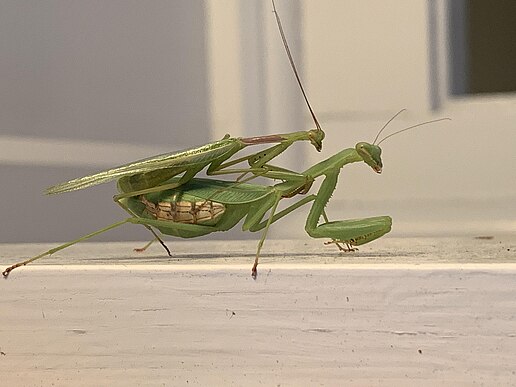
(148, 175)
(203, 206)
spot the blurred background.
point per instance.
(88, 85)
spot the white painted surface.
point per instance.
(317, 320)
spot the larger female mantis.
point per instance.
(203, 206)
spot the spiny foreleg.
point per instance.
(353, 232)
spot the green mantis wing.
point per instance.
(182, 160)
(226, 192)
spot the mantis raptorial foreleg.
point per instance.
(351, 232)
(257, 161)
(338, 244)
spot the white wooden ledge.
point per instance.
(402, 311)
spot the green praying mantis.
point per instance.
(185, 206)
(203, 206)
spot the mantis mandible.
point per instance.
(203, 206)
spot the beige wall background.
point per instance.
(88, 85)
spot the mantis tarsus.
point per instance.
(187, 207)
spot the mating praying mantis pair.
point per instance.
(163, 193)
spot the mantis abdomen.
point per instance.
(185, 211)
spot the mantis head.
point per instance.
(316, 137)
(371, 154)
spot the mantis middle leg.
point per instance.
(254, 221)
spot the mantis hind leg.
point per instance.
(6, 272)
(255, 223)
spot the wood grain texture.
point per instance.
(308, 319)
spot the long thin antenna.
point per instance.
(387, 123)
(412, 127)
(292, 64)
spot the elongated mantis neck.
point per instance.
(334, 163)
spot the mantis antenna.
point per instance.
(293, 65)
(387, 123)
(412, 127)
